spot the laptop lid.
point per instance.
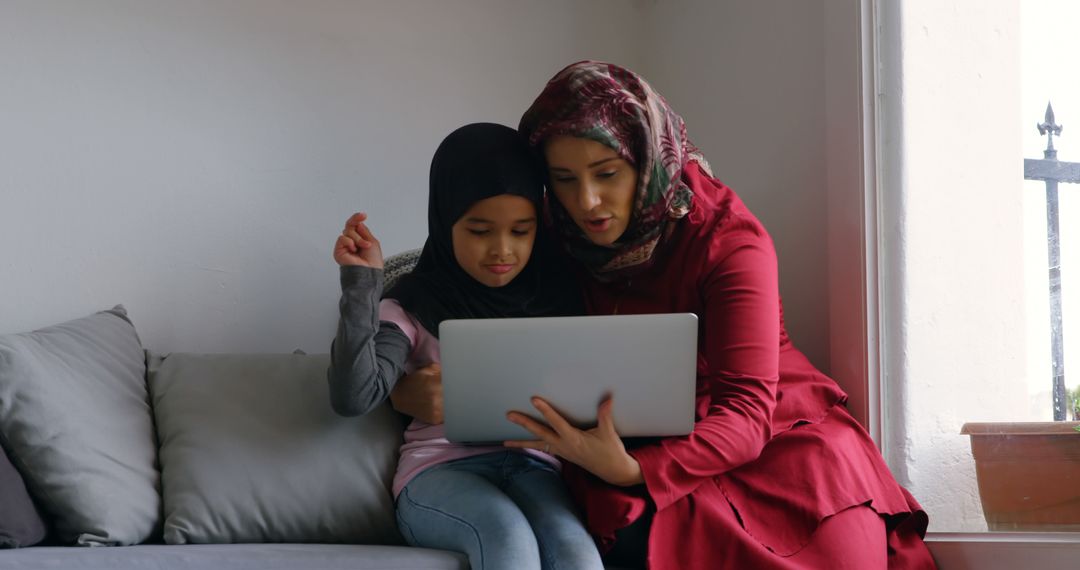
(491, 366)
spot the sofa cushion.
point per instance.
(252, 452)
(20, 523)
(235, 557)
(75, 418)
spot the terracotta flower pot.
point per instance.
(1029, 474)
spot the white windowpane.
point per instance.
(1050, 56)
(972, 330)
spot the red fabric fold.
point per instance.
(774, 456)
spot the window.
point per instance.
(1048, 52)
(963, 276)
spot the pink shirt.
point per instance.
(426, 444)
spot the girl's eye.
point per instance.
(607, 174)
(521, 232)
(478, 232)
(563, 179)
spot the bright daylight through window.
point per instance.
(1027, 465)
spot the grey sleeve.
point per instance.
(367, 356)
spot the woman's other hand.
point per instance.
(357, 245)
(599, 450)
(420, 394)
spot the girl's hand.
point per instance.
(420, 394)
(599, 450)
(357, 245)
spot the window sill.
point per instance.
(1004, 550)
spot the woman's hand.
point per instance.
(357, 245)
(599, 450)
(420, 394)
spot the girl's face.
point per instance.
(494, 239)
(593, 184)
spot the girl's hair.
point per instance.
(473, 163)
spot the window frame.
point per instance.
(862, 64)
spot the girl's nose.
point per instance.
(500, 247)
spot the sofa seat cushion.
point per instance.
(251, 452)
(233, 557)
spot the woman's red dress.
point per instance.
(776, 474)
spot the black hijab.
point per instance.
(473, 163)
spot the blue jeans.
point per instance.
(504, 510)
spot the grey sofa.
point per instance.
(232, 557)
(182, 461)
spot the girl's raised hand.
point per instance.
(599, 450)
(357, 245)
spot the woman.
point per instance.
(776, 473)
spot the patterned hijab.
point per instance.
(616, 107)
(476, 162)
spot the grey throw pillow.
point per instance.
(75, 418)
(252, 452)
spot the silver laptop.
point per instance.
(491, 366)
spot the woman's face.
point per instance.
(494, 239)
(594, 185)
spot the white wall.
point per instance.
(952, 225)
(749, 79)
(195, 161)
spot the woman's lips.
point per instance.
(499, 269)
(598, 225)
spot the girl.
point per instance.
(502, 508)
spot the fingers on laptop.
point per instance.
(604, 416)
(547, 437)
(553, 436)
(554, 419)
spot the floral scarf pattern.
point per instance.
(616, 107)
